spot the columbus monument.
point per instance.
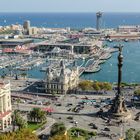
(118, 110)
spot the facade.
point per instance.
(98, 22)
(57, 52)
(128, 29)
(63, 81)
(26, 25)
(32, 30)
(5, 105)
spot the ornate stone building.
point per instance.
(62, 81)
(5, 105)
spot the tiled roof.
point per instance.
(2, 115)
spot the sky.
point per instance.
(69, 5)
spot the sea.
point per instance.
(108, 72)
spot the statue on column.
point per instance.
(118, 109)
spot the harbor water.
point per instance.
(108, 72)
(131, 65)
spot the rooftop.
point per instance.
(3, 84)
(4, 114)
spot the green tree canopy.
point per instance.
(94, 85)
(137, 136)
(23, 134)
(37, 115)
(57, 128)
(85, 85)
(137, 92)
(18, 120)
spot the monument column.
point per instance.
(118, 110)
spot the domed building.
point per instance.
(62, 81)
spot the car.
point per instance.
(94, 126)
(91, 124)
(69, 104)
(97, 106)
(58, 104)
(69, 109)
(22, 101)
(106, 129)
(70, 118)
(39, 103)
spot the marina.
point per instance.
(88, 69)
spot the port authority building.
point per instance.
(63, 81)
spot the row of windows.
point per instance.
(55, 86)
(55, 91)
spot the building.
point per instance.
(5, 105)
(129, 29)
(26, 25)
(63, 81)
(32, 31)
(57, 52)
(98, 20)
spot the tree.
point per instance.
(23, 134)
(61, 137)
(24, 75)
(137, 92)
(137, 136)
(37, 115)
(57, 129)
(129, 134)
(18, 101)
(18, 120)
(85, 85)
(107, 86)
(95, 86)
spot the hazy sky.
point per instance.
(69, 5)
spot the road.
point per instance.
(46, 131)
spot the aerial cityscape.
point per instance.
(69, 73)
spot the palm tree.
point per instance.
(24, 75)
(18, 101)
(37, 115)
(42, 116)
(18, 120)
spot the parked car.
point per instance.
(58, 104)
(106, 129)
(94, 126)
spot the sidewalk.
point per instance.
(46, 130)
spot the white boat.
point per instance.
(125, 40)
